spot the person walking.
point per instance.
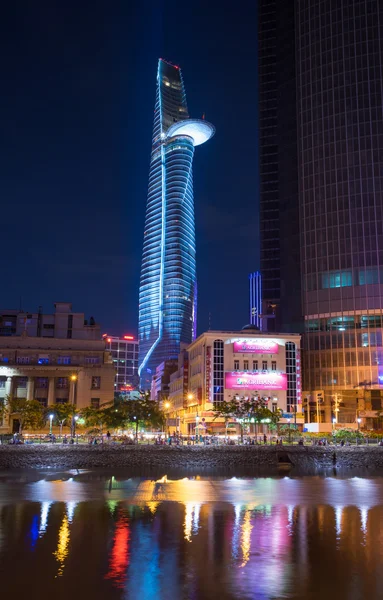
(108, 436)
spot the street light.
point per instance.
(73, 378)
(50, 424)
(288, 419)
(333, 424)
(75, 419)
(196, 428)
(167, 406)
(359, 420)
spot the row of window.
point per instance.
(337, 279)
(343, 323)
(255, 365)
(94, 402)
(42, 382)
(46, 360)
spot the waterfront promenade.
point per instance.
(196, 457)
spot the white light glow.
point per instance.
(199, 130)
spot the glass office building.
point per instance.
(321, 200)
(168, 285)
(340, 133)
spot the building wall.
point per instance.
(340, 129)
(63, 323)
(279, 207)
(124, 351)
(214, 364)
(42, 369)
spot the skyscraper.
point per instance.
(168, 285)
(336, 67)
(255, 298)
(279, 207)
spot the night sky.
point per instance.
(77, 102)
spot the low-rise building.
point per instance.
(54, 371)
(124, 351)
(223, 365)
(62, 324)
(53, 358)
(161, 380)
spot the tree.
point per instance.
(246, 410)
(30, 413)
(121, 413)
(142, 412)
(62, 413)
(95, 417)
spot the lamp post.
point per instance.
(359, 420)
(74, 426)
(166, 407)
(196, 428)
(50, 424)
(289, 421)
(73, 379)
(190, 398)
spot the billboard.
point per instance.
(259, 346)
(261, 381)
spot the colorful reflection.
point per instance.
(119, 558)
(200, 548)
(44, 512)
(63, 546)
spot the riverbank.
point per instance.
(258, 457)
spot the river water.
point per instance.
(88, 535)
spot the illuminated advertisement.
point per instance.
(256, 347)
(261, 381)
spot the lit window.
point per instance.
(96, 383)
(23, 360)
(63, 360)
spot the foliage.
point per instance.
(291, 431)
(350, 435)
(30, 413)
(62, 413)
(253, 410)
(95, 417)
(124, 413)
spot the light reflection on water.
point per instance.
(262, 538)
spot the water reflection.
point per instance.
(195, 539)
(62, 545)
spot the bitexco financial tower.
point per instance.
(168, 285)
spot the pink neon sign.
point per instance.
(260, 381)
(257, 347)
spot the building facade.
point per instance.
(324, 59)
(223, 365)
(161, 380)
(168, 285)
(124, 351)
(62, 324)
(278, 167)
(340, 133)
(54, 371)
